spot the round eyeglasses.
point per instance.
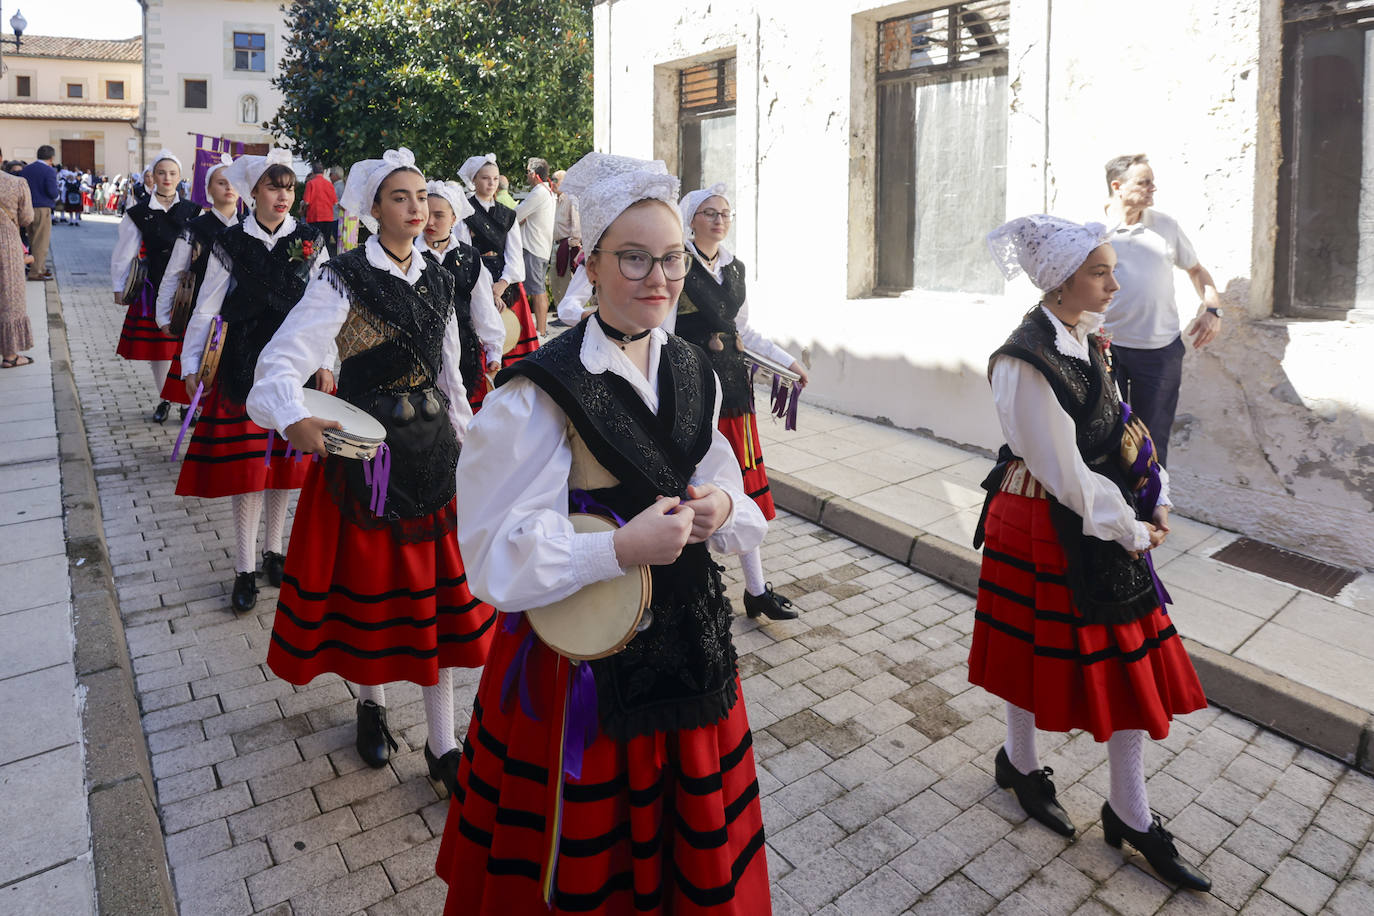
(636, 263)
(712, 215)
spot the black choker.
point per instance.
(618, 336)
(392, 256)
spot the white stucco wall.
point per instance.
(1275, 431)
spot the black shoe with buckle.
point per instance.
(272, 565)
(1035, 792)
(245, 594)
(374, 743)
(1157, 846)
(161, 411)
(444, 769)
(770, 604)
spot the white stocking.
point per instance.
(752, 565)
(247, 513)
(159, 369)
(276, 519)
(1126, 754)
(439, 714)
(1021, 739)
(376, 694)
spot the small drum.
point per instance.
(601, 619)
(214, 349)
(512, 330)
(133, 284)
(184, 299)
(785, 374)
(359, 433)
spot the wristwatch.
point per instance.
(1215, 311)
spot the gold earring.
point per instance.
(1059, 297)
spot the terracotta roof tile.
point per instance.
(62, 111)
(129, 50)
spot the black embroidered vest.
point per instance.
(462, 261)
(266, 286)
(393, 378)
(706, 316)
(489, 230)
(1108, 586)
(160, 230)
(200, 234)
(679, 673)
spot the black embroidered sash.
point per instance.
(489, 229)
(160, 230)
(200, 234)
(706, 317)
(266, 286)
(679, 672)
(462, 261)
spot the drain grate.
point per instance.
(1286, 566)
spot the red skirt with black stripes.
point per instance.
(358, 603)
(519, 303)
(666, 823)
(174, 389)
(227, 454)
(1031, 647)
(140, 338)
(480, 386)
(743, 433)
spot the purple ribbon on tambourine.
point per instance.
(1146, 469)
(782, 401)
(377, 475)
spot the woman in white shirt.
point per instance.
(493, 231)
(1070, 626)
(616, 414)
(374, 589)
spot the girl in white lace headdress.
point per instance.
(650, 771)
(492, 229)
(1071, 630)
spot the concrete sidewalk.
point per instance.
(1282, 656)
(45, 834)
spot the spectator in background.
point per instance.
(503, 195)
(567, 238)
(319, 202)
(42, 179)
(1147, 348)
(535, 214)
(16, 212)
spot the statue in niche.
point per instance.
(248, 109)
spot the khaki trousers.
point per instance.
(39, 232)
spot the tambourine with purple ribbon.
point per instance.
(786, 391)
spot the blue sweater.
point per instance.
(42, 179)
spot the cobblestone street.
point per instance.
(875, 754)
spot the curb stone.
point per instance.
(129, 854)
(1323, 723)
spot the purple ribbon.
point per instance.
(377, 475)
(187, 420)
(144, 295)
(582, 501)
(271, 441)
(1146, 469)
(784, 401)
(581, 728)
(517, 679)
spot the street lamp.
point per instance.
(18, 23)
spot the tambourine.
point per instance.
(133, 283)
(600, 619)
(184, 299)
(214, 349)
(772, 366)
(512, 330)
(359, 434)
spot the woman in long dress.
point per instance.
(16, 212)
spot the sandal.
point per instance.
(20, 360)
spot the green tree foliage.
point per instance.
(447, 78)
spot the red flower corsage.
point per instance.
(302, 250)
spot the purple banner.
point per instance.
(208, 150)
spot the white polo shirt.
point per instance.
(1144, 313)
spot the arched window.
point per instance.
(248, 109)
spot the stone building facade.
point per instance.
(869, 147)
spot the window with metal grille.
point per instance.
(250, 51)
(706, 124)
(196, 94)
(1325, 255)
(942, 147)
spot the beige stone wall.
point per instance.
(1276, 432)
(22, 137)
(49, 78)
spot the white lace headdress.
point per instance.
(162, 154)
(691, 203)
(469, 169)
(245, 171)
(452, 192)
(606, 186)
(224, 160)
(366, 176)
(1049, 249)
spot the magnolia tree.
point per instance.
(447, 78)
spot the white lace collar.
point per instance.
(600, 355)
(155, 203)
(254, 228)
(1074, 343)
(379, 259)
(227, 220)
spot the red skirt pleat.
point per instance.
(140, 338)
(667, 823)
(226, 452)
(529, 332)
(368, 608)
(1031, 647)
(174, 389)
(743, 433)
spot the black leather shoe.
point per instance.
(444, 769)
(272, 566)
(245, 594)
(374, 743)
(770, 604)
(1035, 792)
(181, 412)
(1157, 846)
(160, 412)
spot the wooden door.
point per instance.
(79, 154)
